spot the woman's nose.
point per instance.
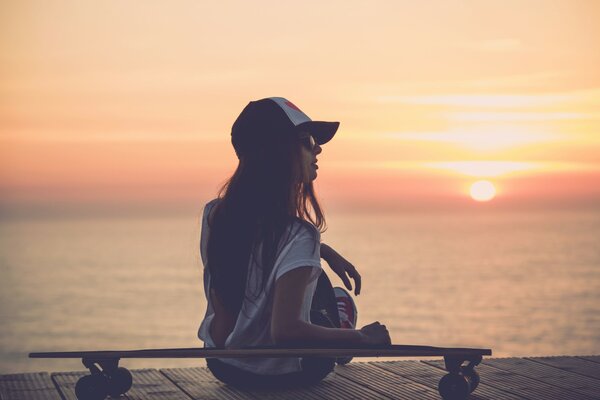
(317, 149)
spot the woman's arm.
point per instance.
(288, 329)
(326, 251)
(342, 267)
(223, 322)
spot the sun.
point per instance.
(483, 191)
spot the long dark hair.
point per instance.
(256, 206)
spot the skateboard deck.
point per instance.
(107, 378)
(200, 352)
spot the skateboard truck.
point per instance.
(106, 378)
(461, 379)
(108, 365)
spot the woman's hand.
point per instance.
(375, 334)
(342, 267)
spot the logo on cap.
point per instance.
(291, 105)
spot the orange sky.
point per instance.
(111, 104)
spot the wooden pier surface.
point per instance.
(536, 378)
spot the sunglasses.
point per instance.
(308, 141)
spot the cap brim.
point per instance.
(322, 131)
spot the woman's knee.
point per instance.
(227, 373)
(315, 369)
(324, 307)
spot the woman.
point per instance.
(261, 250)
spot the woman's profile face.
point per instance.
(308, 156)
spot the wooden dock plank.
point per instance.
(572, 364)
(311, 393)
(148, 384)
(430, 376)
(385, 382)
(30, 386)
(65, 382)
(595, 359)
(336, 387)
(521, 385)
(199, 383)
(535, 378)
(548, 374)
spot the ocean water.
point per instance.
(523, 284)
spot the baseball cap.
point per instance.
(264, 119)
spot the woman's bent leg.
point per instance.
(246, 380)
(324, 313)
(324, 302)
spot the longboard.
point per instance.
(107, 378)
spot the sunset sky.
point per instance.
(112, 104)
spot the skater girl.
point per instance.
(261, 249)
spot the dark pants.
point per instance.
(324, 313)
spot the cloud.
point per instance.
(590, 97)
(539, 81)
(487, 169)
(493, 45)
(482, 138)
(483, 168)
(516, 116)
(482, 100)
(472, 168)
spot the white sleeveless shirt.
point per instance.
(253, 325)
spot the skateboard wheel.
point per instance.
(91, 387)
(472, 376)
(454, 387)
(119, 382)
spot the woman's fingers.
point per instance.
(385, 335)
(346, 281)
(357, 280)
(377, 333)
(353, 273)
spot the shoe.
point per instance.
(348, 315)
